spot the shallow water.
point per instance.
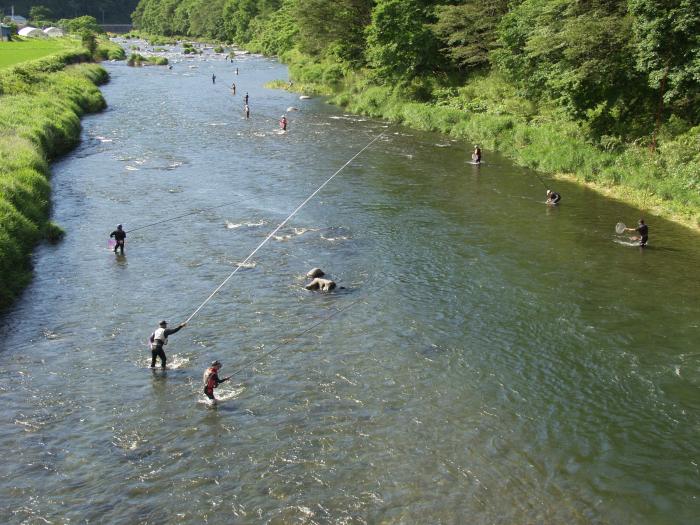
(490, 360)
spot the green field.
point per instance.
(14, 52)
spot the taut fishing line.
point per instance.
(273, 232)
(307, 330)
(191, 213)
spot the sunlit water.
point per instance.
(495, 360)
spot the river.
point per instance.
(488, 360)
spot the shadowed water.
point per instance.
(523, 368)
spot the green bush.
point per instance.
(40, 109)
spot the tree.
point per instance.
(667, 51)
(40, 14)
(80, 24)
(89, 41)
(467, 31)
(336, 27)
(399, 44)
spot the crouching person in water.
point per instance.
(159, 339)
(553, 197)
(211, 380)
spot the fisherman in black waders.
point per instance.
(159, 339)
(643, 230)
(119, 236)
(553, 198)
(211, 380)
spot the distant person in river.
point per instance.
(643, 231)
(120, 238)
(158, 339)
(236, 68)
(283, 123)
(211, 380)
(233, 88)
(246, 111)
(476, 156)
(245, 98)
(553, 198)
(213, 78)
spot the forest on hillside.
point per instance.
(621, 67)
(104, 11)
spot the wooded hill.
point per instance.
(109, 11)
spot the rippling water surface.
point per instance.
(520, 366)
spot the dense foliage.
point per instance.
(41, 102)
(618, 67)
(107, 11)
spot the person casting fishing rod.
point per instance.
(120, 237)
(158, 339)
(211, 380)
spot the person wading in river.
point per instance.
(476, 156)
(120, 237)
(553, 197)
(211, 380)
(643, 231)
(159, 339)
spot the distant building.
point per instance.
(31, 32)
(5, 33)
(19, 21)
(53, 32)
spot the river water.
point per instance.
(489, 360)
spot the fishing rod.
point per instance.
(540, 179)
(310, 328)
(281, 224)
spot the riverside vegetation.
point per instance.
(605, 91)
(41, 102)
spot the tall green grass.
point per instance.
(41, 103)
(489, 111)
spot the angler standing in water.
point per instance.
(245, 98)
(159, 339)
(643, 231)
(476, 156)
(213, 78)
(283, 123)
(246, 111)
(120, 237)
(233, 88)
(211, 380)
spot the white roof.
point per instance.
(53, 31)
(30, 31)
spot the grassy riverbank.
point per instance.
(489, 111)
(41, 102)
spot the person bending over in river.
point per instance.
(159, 339)
(643, 231)
(553, 197)
(476, 156)
(120, 237)
(211, 380)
